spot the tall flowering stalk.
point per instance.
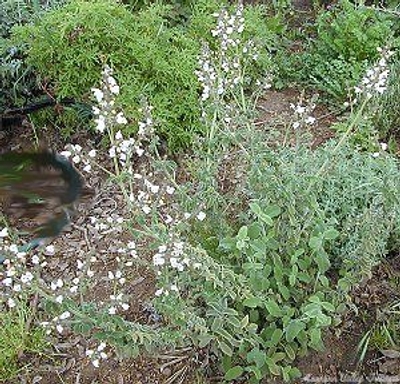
(221, 73)
(373, 84)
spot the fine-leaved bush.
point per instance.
(153, 57)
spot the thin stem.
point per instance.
(341, 141)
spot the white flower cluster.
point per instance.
(117, 300)
(228, 27)
(130, 251)
(375, 79)
(57, 323)
(146, 126)
(14, 276)
(77, 156)
(383, 148)
(302, 115)
(172, 255)
(166, 291)
(97, 354)
(83, 273)
(151, 196)
(266, 82)
(111, 224)
(106, 115)
(221, 70)
(123, 149)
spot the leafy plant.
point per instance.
(152, 56)
(18, 336)
(387, 118)
(345, 43)
(384, 333)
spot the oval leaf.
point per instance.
(225, 348)
(234, 373)
(293, 329)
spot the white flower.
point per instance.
(146, 209)
(96, 363)
(159, 292)
(384, 146)
(112, 310)
(168, 219)
(59, 299)
(101, 346)
(310, 120)
(35, 259)
(26, 278)
(158, 259)
(201, 216)
(92, 153)
(170, 190)
(125, 306)
(7, 281)
(115, 89)
(98, 94)
(56, 284)
(66, 154)
(65, 315)
(11, 303)
(49, 250)
(118, 136)
(13, 248)
(162, 248)
(101, 123)
(76, 159)
(120, 119)
(112, 152)
(296, 125)
(154, 189)
(87, 168)
(59, 328)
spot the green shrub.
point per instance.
(387, 117)
(17, 12)
(263, 292)
(18, 81)
(151, 56)
(70, 45)
(345, 43)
